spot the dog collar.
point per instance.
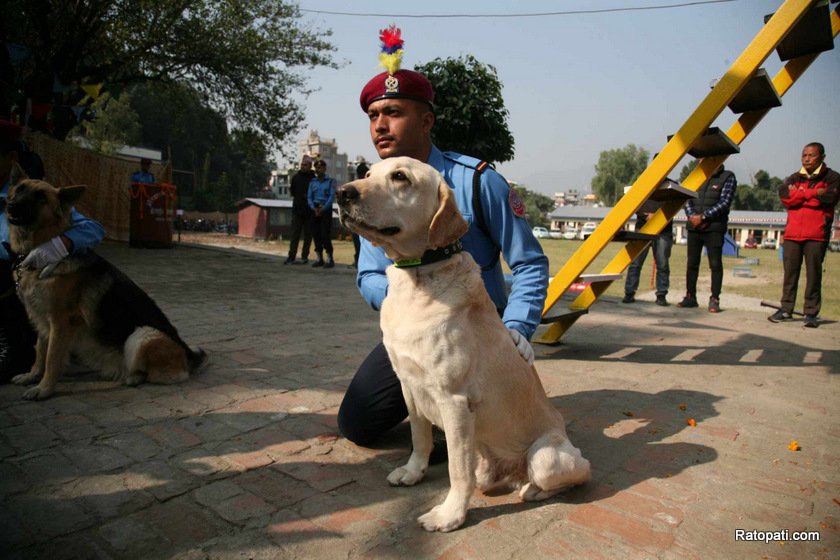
(432, 256)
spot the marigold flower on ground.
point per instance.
(794, 446)
(691, 422)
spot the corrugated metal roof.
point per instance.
(265, 202)
(590, 213)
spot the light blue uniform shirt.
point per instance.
(142, 177)
(522, 252)
(321, 192)
(84, 232)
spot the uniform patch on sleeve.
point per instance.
(516, 203)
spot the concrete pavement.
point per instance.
(244, 460)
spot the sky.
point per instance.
(576, 85)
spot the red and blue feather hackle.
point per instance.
(391, 45)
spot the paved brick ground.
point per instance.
(244, 460)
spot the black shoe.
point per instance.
(810, 321)
(780, 316)
(688, 301)
(660, 300)
(289, 260)
(329, 264)
(714, 304)
(319, 262)
(304, 260)
(628, 298)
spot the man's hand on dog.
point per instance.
(46, 256)
(522, 344)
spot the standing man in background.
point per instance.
(321, 197)
(661, 255)
(143, 175)
(301, 212)
(810, 197)
(708, 217)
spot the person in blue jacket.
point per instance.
(321, 196)
(143, 175)
(401, 113)
(17, 338)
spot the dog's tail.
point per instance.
(196, 359)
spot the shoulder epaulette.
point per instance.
(461, 159)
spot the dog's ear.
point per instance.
(70, 194)
(17, 174)
(447, 224)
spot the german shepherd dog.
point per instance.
(86, 307)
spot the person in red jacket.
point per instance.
(810, 197)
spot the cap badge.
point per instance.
(392, 84)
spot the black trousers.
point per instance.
(713, 242)
(813, 253)
(17, 338)
(300, 223)
(322, 232)
(357, 245)
(373, 403)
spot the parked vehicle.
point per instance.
(540, 232)
(834, 246)
(769, 243)
(571, 233)
(587, 229)
(750, 243)
(555, 234)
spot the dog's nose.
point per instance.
(346, 193)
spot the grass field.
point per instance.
(766, 283)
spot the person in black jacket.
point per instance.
(301, 213)
(708, 217)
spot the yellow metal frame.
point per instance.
(720, 96)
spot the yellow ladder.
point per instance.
(799, 31)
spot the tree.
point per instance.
(762, 194)
(687, 169)
(470, 114)
(616, 169)
(111, 124)
(241, 56)
(536, 205)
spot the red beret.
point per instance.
(403, 84)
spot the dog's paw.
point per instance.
(38, 393)
(403, 476)
(133, 379)
(25, 379)
(442, 518)
(533, 493)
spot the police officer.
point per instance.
(401, 113)
(321, 195)
(17, 339)
(143, 175)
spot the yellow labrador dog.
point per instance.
(458, 366)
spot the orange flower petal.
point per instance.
(691, 422)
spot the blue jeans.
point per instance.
(661, 254)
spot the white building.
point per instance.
(316, 147)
